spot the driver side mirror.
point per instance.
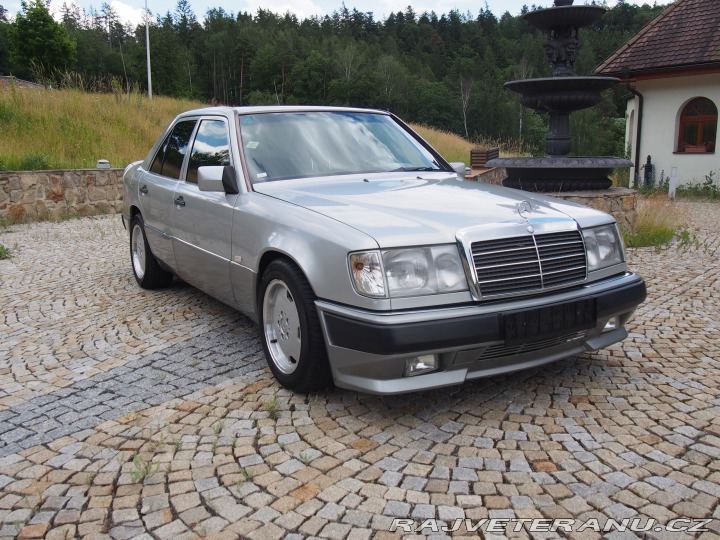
(459, 168)
(218, 178)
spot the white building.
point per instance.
(672, 68)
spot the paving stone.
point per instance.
(397, 509)
(626, 431)
(449, 513)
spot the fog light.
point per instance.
(612, 324)
(421, 364)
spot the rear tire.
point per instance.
(292, 337)
(146, 269)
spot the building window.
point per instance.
(698, 127)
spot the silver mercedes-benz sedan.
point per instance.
(365, 257)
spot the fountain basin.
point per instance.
(559, 173)
(561, 95)
(564, 16)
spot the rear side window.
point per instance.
(168, 161)
(211, 147)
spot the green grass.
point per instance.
(4, 253)
(142, 469)
(271, 407)
(654, 236)
(70, 129)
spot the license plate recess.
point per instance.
(549, 321)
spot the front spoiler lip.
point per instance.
(460, 375)
(382, 373)
(452, 328)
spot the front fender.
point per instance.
(264, 226)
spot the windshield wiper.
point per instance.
(407, 169)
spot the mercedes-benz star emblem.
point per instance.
(524, 209)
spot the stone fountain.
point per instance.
(560, 95)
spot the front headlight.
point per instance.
(367, 274)
(603, 247)
(408, 271)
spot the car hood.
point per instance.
(401, 209)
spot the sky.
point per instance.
(132, 10)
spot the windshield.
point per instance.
(284, 145)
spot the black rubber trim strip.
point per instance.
(622, 299)
(404, 338)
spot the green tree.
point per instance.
(393, 80)
(4, 46)
(309, 78)
(167, 72)
(36, 38)
(446, 70)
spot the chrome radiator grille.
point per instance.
(528, 263)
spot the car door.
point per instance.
(202, 220)
(157, 188)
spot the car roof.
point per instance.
(277, 108)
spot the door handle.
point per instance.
(180, 201)
(143, 190)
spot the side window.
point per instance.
(211, 147)
(156, 166)
(176, 148)
(698, 127)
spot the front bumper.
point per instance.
(368, 351)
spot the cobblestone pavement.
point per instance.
(133, 414)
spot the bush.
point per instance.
(34, 162)
(707, 190)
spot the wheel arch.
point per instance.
(134, 211)
(266, 260)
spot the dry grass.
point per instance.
(452, 147)
(57, 129)
(455, 148)
(658, 220)
(67, 129)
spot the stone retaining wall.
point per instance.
(490, 176)
(620, 202)
(51, 194)
(8, 81)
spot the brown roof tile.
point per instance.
(685, 35)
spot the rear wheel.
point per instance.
(292, 337)
(148, 272)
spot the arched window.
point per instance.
(698, 127)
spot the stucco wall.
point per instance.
(45, 194)
(663, 102)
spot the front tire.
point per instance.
(292, 337)
(146, 269)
